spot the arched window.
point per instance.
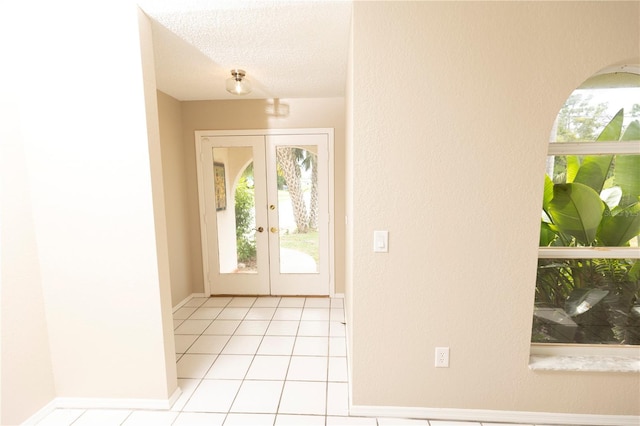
(588, 279)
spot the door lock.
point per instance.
(259, 229)
(272, 207)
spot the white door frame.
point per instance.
(202, 135)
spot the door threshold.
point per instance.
(320, 296)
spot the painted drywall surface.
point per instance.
(27, 375)
(88, 165)
(161, 227)
(252, 114)
(176, 202)
(348, 200)
(452, 109)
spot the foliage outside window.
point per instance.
(588, 280)
(245, 220)
(297, 174)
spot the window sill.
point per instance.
(584, 358)
(609, 364)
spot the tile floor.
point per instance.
(253, 361)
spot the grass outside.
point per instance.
(306, 243)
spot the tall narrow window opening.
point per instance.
(588, 279)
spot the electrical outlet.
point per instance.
(442, 357)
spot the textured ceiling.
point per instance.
(289, 49)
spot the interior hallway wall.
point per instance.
(453, 103)
(349, 217)
(251, 114)
(26, 372)
(90, 167)
(174, 172)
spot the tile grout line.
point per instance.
(263, 335)
(253, 360)
(202, 333)
(75, 420)
(284, 380)
(129, 415)
(180, 411)
(131, 412)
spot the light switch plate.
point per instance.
(381, 241)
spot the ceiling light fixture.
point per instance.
(237, 84)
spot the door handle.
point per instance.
(259, 229)
(274, 230)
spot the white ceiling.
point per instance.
(289, 49)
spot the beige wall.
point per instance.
(90, 256)
(455, 101)
(86, 162)
(349, 217)
(27, 375)
(250, 114)
(160, 289)
(174, 172)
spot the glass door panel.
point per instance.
(264, 202)
(298, 213)
(235, 218)
(297, 209)
(235, 210)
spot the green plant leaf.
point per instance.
(576, 209)
(632, 133)
(627, 177)
(593, 171)
(617, 229)
(613, 130)
(548, 192)
(634, 272)
(627, 169)
(547, 235)
(573, 165)
(594, 168)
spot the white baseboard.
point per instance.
(103, 403)
(119, 403)
(494, 416)
(489, 416)
(174, 396)
(40, 414)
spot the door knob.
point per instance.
(272, 207)
(259, 229)
(274, 230)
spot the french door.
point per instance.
(265, 211)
